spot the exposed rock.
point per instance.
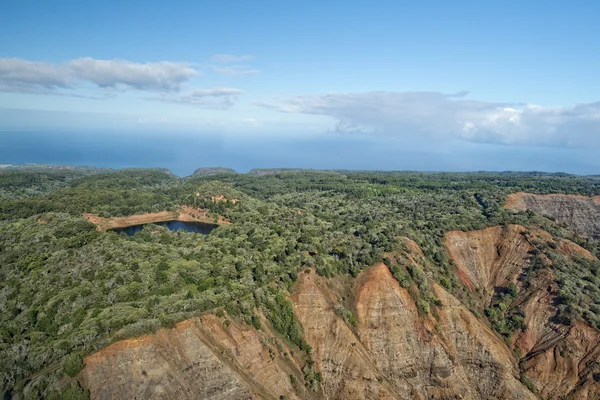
(172, 364)
(568, 365)
(537, 303)
(198, 359)
(395, 352)
(489, 258)
(580, 213)
(348, 370)
(183, 214)
(392, 351)
(461, 358)
(560, 361)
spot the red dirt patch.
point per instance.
(184, 214)
(568, 248)
(489, 257)
(462, 275)
(514, 201)
(412, 246)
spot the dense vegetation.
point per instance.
(68, 289)
(28, 181)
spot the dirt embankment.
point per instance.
(580, 213)
(560, 361)
(183, 214)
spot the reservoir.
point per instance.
(196, 227)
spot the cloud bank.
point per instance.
(18, 75)
(434, 115)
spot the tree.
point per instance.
(72, 364)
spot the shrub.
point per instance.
(72, 364)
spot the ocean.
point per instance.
(183, 153)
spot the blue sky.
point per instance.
(479, 81)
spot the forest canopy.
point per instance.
(68, 289)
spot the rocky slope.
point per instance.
(392, 351)
(449, 355)
(370, 339)
(559, 360)
(580, 213)
(199, 358)
(489, 258)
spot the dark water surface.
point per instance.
(196, 227)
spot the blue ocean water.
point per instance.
(183, 153)
(111, 150)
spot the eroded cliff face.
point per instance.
(580, 213)
(489, 258)
(394, 352)
(199, 358)
(567, 365)
(387, 349)
(560, 361)
(447, 355)
(391, 352)
(349, 370)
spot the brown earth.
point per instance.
(392, 351)
(450, 356)
(221, 198)
(349, 372)
(567, 364)
(413, 247)
(488, 258)
(198, 359)
(560, 361)
(494, 257)
(183, 214)
(580, 213)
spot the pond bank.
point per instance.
(183, 214)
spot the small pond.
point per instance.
(196, 227)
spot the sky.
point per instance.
(427, 85)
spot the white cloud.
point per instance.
(437, 115)
(230, 58)
(159, 76)
(235, 70)
(17, 75)
(207, 98)
(21, 75)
